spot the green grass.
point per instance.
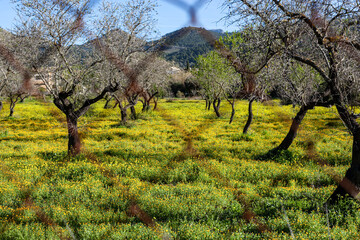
(192, 174)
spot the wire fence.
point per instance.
(189, 149)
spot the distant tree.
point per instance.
(11, 85)
(125, 29)
(13, 89)
(154, 80)
(247, 62)
(219, 79)
(214, 77)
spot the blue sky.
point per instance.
(170, 16)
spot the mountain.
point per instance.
(184, 45)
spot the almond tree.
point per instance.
(324, 35)
(12, 89)
(218, 80)
(300, 85)
(247, 61)
(154, 80)
(50, 31)
(214, 77)
(124, 29)
(11, 85)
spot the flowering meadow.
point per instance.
(178, 172)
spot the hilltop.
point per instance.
(185, 44)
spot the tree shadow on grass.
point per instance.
(122, 125)
(278, 156)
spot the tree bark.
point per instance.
(12, 105)
(250, 116)
(123, 108)
(123, 115)
(216, 106)
(23, 98)
(208, 104)
(351, 182)
(106, 106)
(286, 143)
(232, 110)
(74, 144)
(133, 113)
(116, 103)
(146, 104)
(155, 103)
(144, 108)
(132, 102)
(72, 115)
(123, 111)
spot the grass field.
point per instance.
(175, 173)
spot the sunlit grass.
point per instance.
(194, 174)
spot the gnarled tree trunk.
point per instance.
(123, 108)
(250, 116)
(232, 103)
(208, 104)
(133, 113)
(155, 103)
(108, 100)
(13, 101)
(132, 102)
(123, 112)
(286, 143)
(145, 105)
(351, 182)
(216, 106)
(74, 143)
(72, 115)
(232, 113)
(22, 98)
